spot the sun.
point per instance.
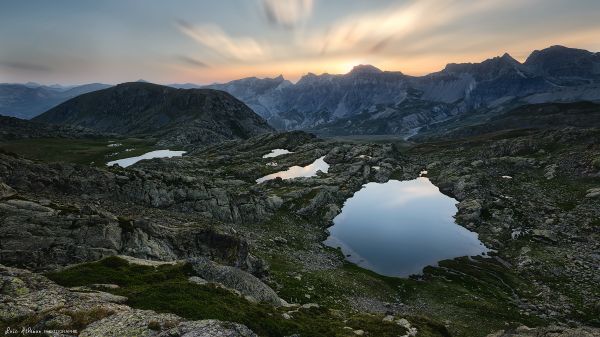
(346, 66)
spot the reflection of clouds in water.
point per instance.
(403, 192)
(299, 171)
(418, 188)
(399, 227)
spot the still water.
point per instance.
(276, 152)
(299, 171)
(149, 155)
(399, 227)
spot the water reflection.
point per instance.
(397, 228)
(276, 152)
(149, 155)
(299, 171)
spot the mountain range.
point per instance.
(174, 116)
(28, 100)
(369, 101)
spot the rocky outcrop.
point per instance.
(234, 278)
(159, 186)
(46, 236)
(31, 301)
(553, 331)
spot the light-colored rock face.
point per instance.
(236, 279)
(41, 237)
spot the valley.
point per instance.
(463, 203)
(196, 205)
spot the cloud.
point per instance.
(287, 13)
(192, 61)
(374, 32)
(215, 39)
(17, 65)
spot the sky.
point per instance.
(202, 41)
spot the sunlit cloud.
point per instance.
(227, 40)
(375, 31)
(215, 39)
(287, 13)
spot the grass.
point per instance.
(166, 289)
(457, 292)
(81, 151)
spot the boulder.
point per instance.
(237, 279)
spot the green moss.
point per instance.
(166, 289)
(81, 151)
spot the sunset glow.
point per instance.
(204, 41)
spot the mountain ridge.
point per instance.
(345, 102)
(176, 116)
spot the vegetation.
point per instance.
(166, 289)
(81, 151)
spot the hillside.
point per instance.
(530, 116)
(176, 116)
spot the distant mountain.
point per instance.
(370, 101)
(256, 92)
(176, 116)
(31, 99)
(184, 86)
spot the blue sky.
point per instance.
(112, 41)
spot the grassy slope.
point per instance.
(80, 151)
(166, 289)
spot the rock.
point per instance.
(208, 328)
(6, 191)
(280, 240)
(13, 286)
(551, 331)
(197, 280)
(236, 279)
(403, 323)
(550, 171)
(359, 332)
(388, 318)
(469, 210)
(593, 193)
(309, 306)
(545, 234)
(46, 305)
(285, 315)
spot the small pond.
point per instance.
(149, 155)
(299, 171)
(399, 227)
(276, 152)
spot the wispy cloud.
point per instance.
(215, 39)
(192, 61)
(18, 65)
(287, 13)
(375, 31)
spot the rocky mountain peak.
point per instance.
(561, 62)
(364, 69)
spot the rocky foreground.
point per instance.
(253, 254)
